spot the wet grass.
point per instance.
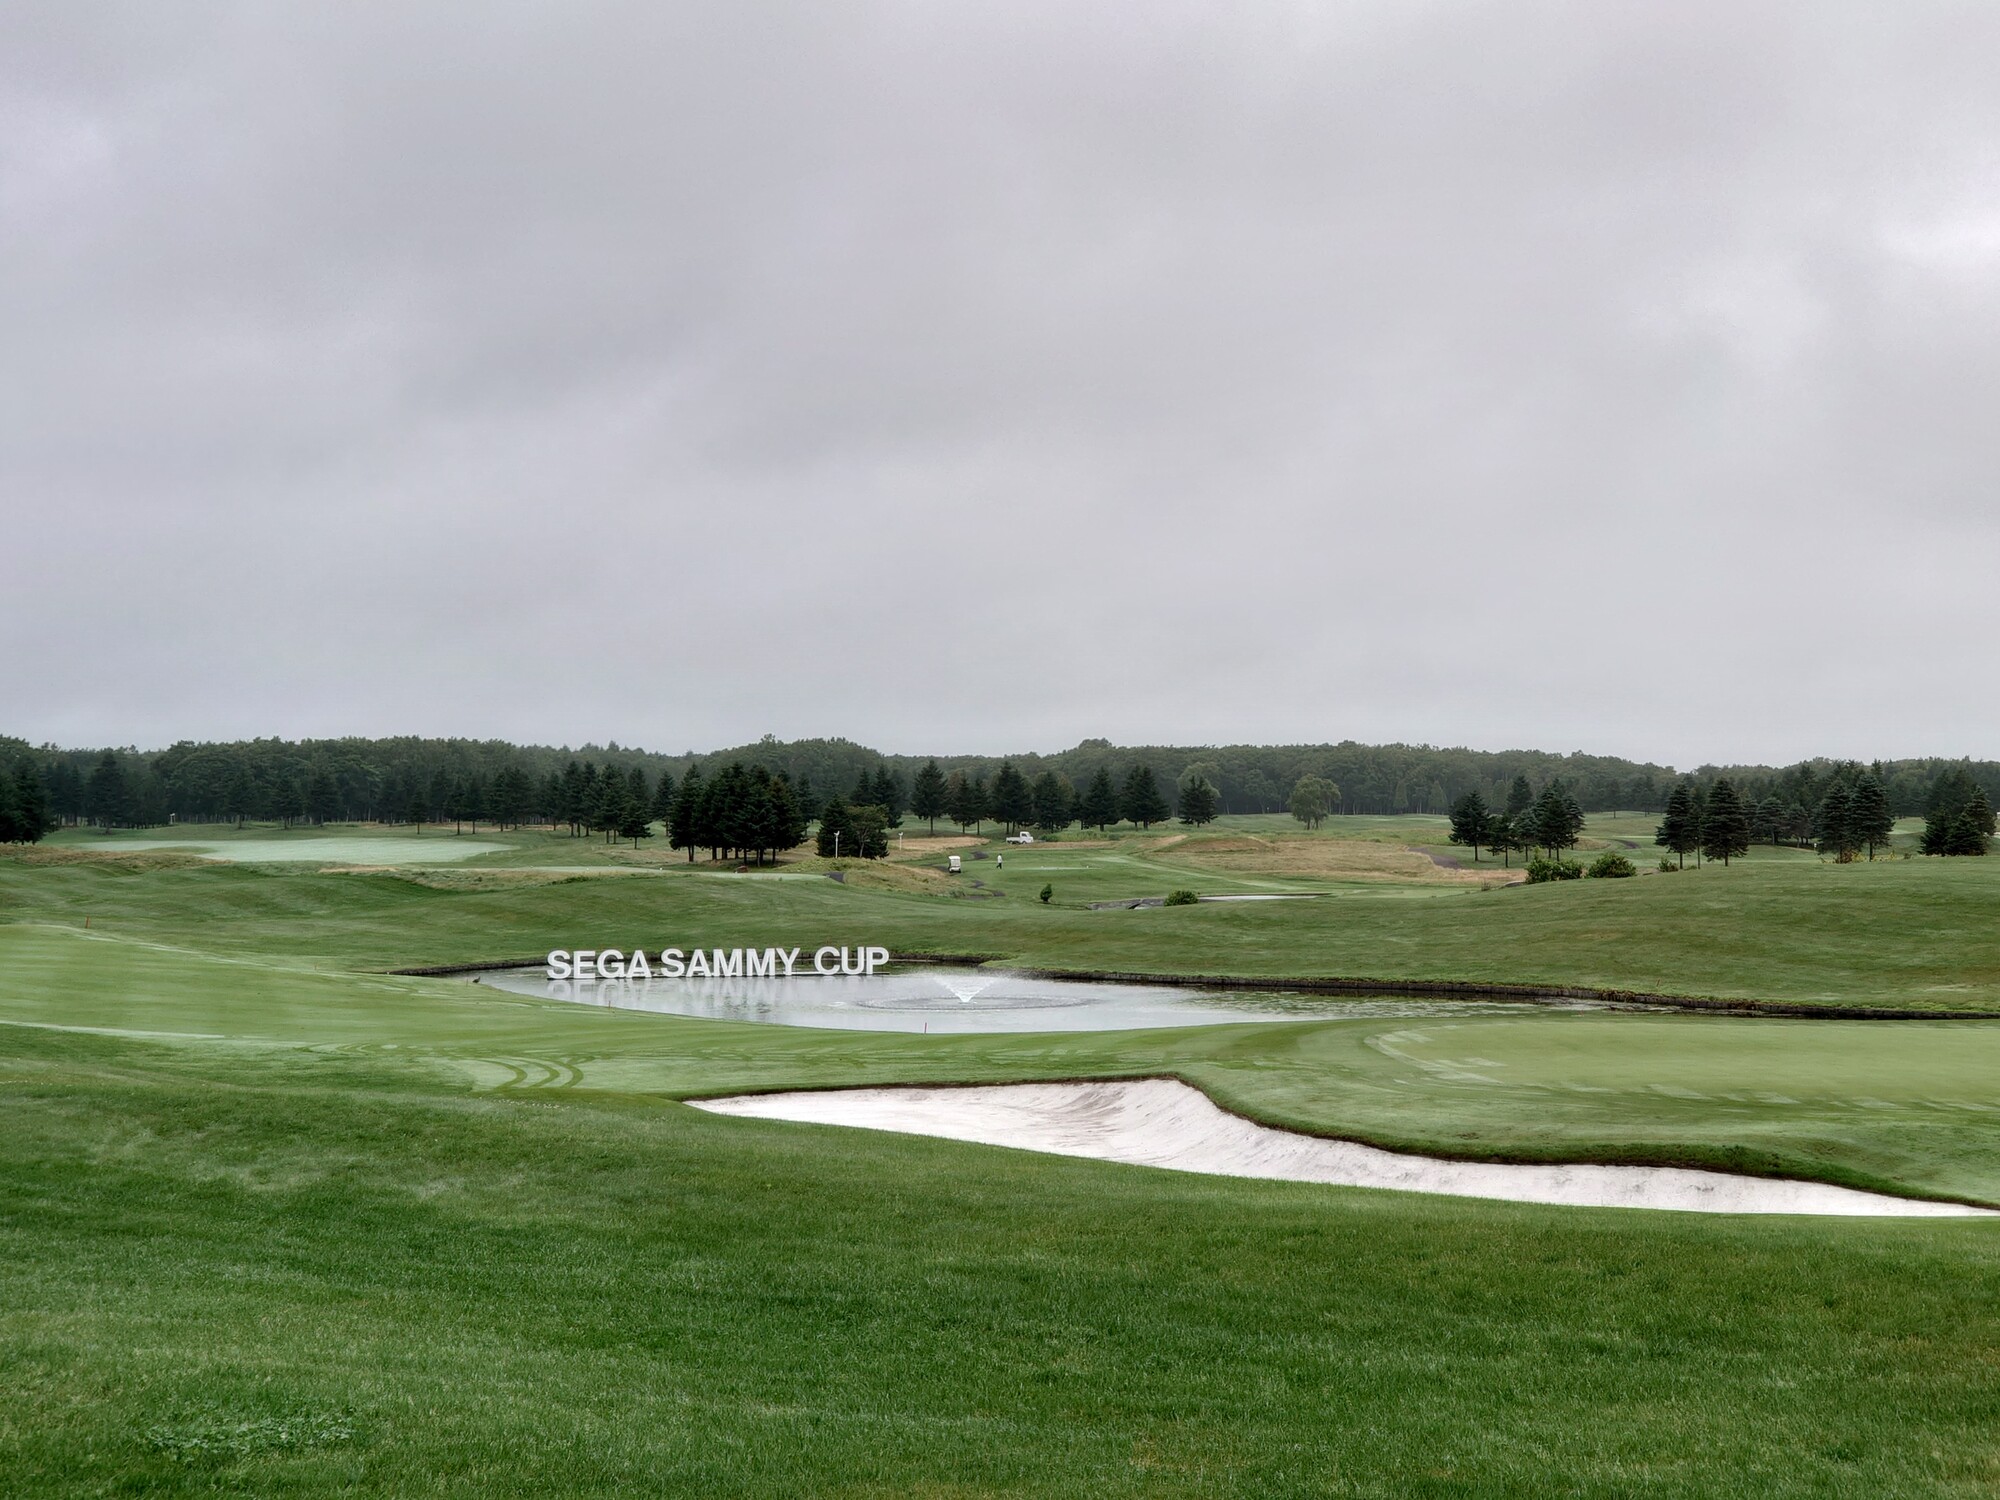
(270, 1225)
(1898, 933)
(234, 1273)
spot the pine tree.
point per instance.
(323, 798)
(663, 799)
(106, 796)
(1099, 808)
(1141, 802)
(1974, 826)
(33, 814)
(970, 806)
(635, 820)
(418, 812)
(835, 829)
(1054, 802)
(1834, 833)
(808, 801)
(1725, 829)
(1471, 822)
(1198, 799)
(682, 829)
(787, 827)
(1520, 798)
(1555, 819)
(888, 795)
(1012, 803)
(1868, 812)
(927, 793)
(1678, 832)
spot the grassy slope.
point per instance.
(1912, 1107)
(1910, 933)
(373, 1235)
(237, 1274)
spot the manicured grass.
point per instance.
(1896, 933)
(229, 1272)
(271, 1225)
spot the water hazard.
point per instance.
(970, 1000)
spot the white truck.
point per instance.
(1023, 837)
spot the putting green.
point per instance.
(318, 850)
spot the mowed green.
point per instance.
(271, 1224)
(1901, 933)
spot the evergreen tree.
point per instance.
(239, 795)
(34, 816)
(927, 793)
(807, 800)
(682, 828)
(509, 799)
(1054, 802)
(288, 800)
(1099, 808)
(1503, 836)
(836, 828)
(1725, 828)
(1868, 812)
(1471, 822)
(1012, 803)
(106, 797)
(635, 820)
(786, 828)
(638, 793)
(1198, 799)
(1678, 832)
(418, 812)
(443, 790)
(1555, 819)
(1974, 826)
(965, 800)
(888, 795)
(1834, 833)
(1141, 802)
(663, 800)
(571, 801)
(1520, 798)
(323, 798)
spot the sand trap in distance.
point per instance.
(1159, 1122)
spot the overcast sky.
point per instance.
(975, 377)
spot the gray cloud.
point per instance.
(973, 377)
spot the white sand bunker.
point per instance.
(1157, 1122)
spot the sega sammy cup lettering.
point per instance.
(710, 963)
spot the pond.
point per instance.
(972, 1000)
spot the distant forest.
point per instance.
(396, 780)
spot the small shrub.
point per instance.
(1181, 898)
(1541, 870)
(1610, 865)
(1667, 866)
(1048, 894)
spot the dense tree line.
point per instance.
(392, 780)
